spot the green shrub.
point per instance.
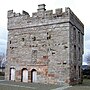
(86, 76)
(2, 74)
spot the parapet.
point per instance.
(41, 13)
(12, 14)
(43, 16)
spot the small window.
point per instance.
(23, 39)
(34, 38)
(79, 71)
(78, 37)
(74, 33)
(74, 52)
(53, 53)
(10, 42)
(11, 48)
(79, 53)
(49, 37)
(65, 62)
(75, 69)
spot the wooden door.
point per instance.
(25, 76)
(12, 74)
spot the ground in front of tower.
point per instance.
(10, 85)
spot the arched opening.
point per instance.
(33, 76)
(12, 74)
(24, 76)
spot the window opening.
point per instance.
(23, 39)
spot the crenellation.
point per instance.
(67, 10)
(25, 13)
(17, 14)
(48, 13)
(37, 15)
(34, 14)
(10, 14)
(58, 11)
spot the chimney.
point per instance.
(41, 7)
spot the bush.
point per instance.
(86, 72)
(86, 76)
(2, 74)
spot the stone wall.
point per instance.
(45, 43)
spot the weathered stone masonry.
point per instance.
(44, 48)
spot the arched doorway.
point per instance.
(24, 75)
(12, 74)
(33, 76)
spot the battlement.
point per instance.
(42, 16)
(41, 13)
(12, 14)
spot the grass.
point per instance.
(86, 82)
(84, 86)
(10, 85)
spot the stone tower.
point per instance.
(44, 48)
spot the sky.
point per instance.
(79, 7)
